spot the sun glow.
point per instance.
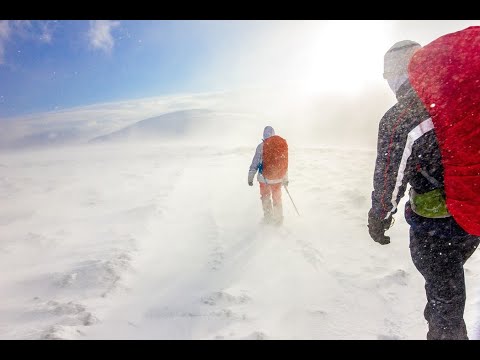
(340, 56)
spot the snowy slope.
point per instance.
(142, 241)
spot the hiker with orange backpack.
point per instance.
(271, 162)
(430, 140)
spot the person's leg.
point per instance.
(439, 248)
(442, 269)
(265, 196)
(277, 203)
(468, 247)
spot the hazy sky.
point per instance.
(52, 65)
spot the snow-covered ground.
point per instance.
(146, 240)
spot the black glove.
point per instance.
(377, 228)
(250, 183)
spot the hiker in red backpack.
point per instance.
(436, 87)
(271, 162)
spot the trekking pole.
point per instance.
(291, 199)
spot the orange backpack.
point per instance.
(275, 158)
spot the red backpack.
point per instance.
(446, 76)
(275, 158)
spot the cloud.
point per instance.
(25, 30)
(100, 34)
(46, 33)
(4, 35)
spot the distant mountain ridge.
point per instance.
(176, 123)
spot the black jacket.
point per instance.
(406, 147)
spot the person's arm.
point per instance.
(390, 177)
(256, 161)
(391, 173)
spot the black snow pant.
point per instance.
(439, 249)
